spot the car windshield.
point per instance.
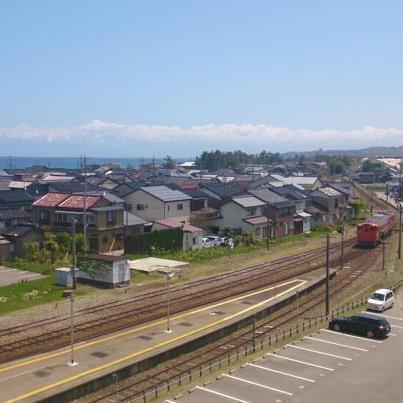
(378, 297)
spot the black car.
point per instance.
(362, 324)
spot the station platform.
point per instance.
(44, 375)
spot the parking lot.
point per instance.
(12, 276)
(325, 367)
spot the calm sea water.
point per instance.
(72, 162)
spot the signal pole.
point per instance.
(327, 275)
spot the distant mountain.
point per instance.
(364, 152)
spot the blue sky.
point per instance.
(136, 78)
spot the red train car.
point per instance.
(369, 232)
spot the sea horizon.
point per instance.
(19, 162)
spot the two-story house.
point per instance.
(302, 219)
(158, 202)
(105, 222)
(15, 199)
(331, 203)
(280, 210)
(244, 214)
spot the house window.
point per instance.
(44, 216)
(257, 232)
(105, 239)
(194, 240)
(179, 206)
(111, 217)
(168, 207)
(141, 207)
(251, 211)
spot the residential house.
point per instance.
(192, 236)
(280, 210)
(302, 219)
(218, 193)
(330, 202)
(158, 202)
(244, 213)
(15, 199)
(306, 182)
(105, 225)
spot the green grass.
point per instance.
(14, 296)
(29, 265)
(206, 254)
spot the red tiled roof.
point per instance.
(51, 200)
(77, 202)
(256, 220)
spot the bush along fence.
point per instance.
(153, 241)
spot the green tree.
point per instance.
(169, 163)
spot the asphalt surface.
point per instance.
(11, 276)
(324, 367)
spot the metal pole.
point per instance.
(71, 298)
(254, 334)
(327, 274)
(400, 231)
(168, 306)
(383, 255)
(297, 303)
(85, 204)
(342, 249)
(268, 232)
(115, 376)
(73, 275)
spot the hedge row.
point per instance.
(155, 240)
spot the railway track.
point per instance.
(144, 383)
(377, 204)
(30, 338)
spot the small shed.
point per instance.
(103, 270)
(63, 277)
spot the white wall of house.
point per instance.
(192, 240)
(150, 208)
(233, 216)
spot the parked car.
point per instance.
(214, 240)
(206, 243)
(380, 300)
(362, 324)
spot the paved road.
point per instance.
(325, 367)
(11, 276)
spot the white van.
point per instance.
(380, 300)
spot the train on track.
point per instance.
(371, 232)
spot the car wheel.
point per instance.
(370, 334)
(336, 327)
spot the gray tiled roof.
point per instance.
(165, 194)
(248, 201)
(268, 196)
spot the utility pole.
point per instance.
(85, 204)
(400, 211)
(73, 274)
(327, 275)
(268, 228)
(70, 296)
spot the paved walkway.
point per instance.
(11, 276)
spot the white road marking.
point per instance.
(392, 334)
(336, 344)
(399, 327)
(350, 335)
(258, 384)
(281, 373)
(386, 316)
(320, 352)
(301, 362)
(221, 394)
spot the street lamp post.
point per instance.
(70, 296)
(74, 253)
(169, 275)
(399, 248)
